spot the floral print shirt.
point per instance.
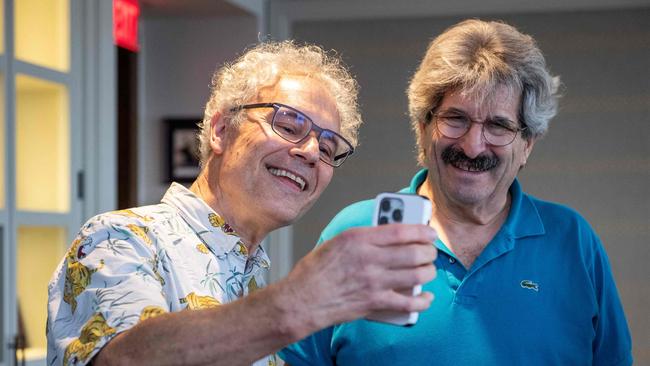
(130, 265)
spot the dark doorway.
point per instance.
(127, 128)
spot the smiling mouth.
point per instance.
(299, 181)
(470, 167)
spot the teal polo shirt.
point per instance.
(541, 293)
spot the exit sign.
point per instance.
(125, 23)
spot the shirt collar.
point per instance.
(523, 219)
(416, 181)
(208, 224)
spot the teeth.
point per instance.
(468, 167)
(284, 173)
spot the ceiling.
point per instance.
(332, 9)
(192, 8)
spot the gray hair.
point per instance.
(262, 66)
(476, 57)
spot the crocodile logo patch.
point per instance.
(530, 285)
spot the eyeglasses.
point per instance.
(294, 126)
(497, 131)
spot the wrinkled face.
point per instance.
(468, 170)
(261, 171)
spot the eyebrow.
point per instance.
(454, 110)
(451, 110)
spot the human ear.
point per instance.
(217, 133)
(528, 148)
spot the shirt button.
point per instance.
(452, 260)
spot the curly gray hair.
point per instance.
(476, 57)
(262, 66)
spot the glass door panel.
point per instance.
(42, 146)
(2, 141)
(40, 92)
(42, 32)
(3, 290)
(2, 30)
(39, 250)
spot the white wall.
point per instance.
(176, 62)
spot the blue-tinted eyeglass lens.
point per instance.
(329, 145)
(290, 124)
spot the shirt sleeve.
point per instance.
(313, 350)
(108, 281)
(612, 344)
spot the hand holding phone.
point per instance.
(403, 208)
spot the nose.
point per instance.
(307, 149)
(472, 142)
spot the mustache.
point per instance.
(456, 157)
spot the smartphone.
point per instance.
(391, 208)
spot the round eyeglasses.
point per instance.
(497, 131)
(294, 126)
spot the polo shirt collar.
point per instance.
(523, 219)
(416, 181)
(207, 224)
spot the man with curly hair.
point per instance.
(182, 282)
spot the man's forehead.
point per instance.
(307, 94)
(289, 85)
(499, 100)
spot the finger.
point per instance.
(421, 302)
(405, 256)
(394, 301)
(405, 278)
(392, 234)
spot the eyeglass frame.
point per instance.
(431, 114)
(313, 127)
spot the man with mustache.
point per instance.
(181, 282)
(520, 281)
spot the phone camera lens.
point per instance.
(383, 220)
(397, 215)
(385, 205)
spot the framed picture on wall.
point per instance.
(182, 149)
